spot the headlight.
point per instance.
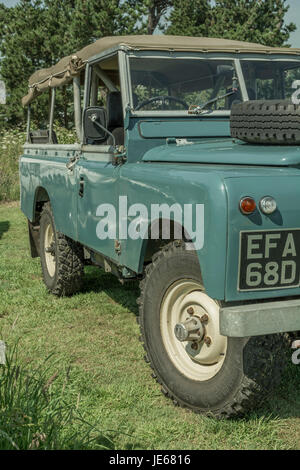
(268, 205)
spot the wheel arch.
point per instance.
(41, 196)
(150, 246)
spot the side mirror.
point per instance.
(94, 124)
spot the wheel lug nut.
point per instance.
(204, 318)
(190, 310)
(207, 340)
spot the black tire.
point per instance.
(252, 366)
(274, 122)
(66, 278)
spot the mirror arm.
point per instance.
(93, 118)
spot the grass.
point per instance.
(91, 342)
(35, 414)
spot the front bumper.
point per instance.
(260, 318)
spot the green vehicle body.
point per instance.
(208, 168)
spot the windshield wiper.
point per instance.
(200, 108)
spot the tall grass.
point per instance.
(11, 143)
(11, 148)
(35, 415)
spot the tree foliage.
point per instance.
(260, 21)
(155, 11)
(37, 33)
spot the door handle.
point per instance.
(81, 186)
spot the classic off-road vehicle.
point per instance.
(188, 178)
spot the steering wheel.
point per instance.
(163, 99)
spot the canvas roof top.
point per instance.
(63, 71)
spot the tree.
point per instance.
(190, 18)
(259, 21)
(76, 23)
(151, 14)
(156, 10)
(21, 51)
(37, 33)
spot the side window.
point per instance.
(64, 114)
(63, 125)
(290, 77)
(268, 79)
(265, 89)
(105, 93)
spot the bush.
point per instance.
(11, 148)
(11, 143)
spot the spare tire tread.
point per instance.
(273, 122)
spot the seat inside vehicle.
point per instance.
(115, 121)
(42, 136)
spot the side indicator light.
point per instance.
(247, 205)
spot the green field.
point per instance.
(98, 367)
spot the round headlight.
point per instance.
(268, 205)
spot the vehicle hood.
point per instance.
(224, 151)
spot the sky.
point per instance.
(2, 93)
(293, 15)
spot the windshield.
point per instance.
(176, 84)
(269, 79)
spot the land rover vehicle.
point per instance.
(196, 127)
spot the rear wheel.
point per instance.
(196, 366)
(61, 258)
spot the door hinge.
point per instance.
(118, 247)
(72, 161)
(120, 156)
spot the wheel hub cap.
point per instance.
(189, 322)
(190, 330)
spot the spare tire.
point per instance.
(274, 122)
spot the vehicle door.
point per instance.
(97, 175)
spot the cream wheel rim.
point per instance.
(49, 250)
(198, 361)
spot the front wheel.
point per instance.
(196, 366)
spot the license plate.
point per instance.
(269, 259)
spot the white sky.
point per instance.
(293, 15)
(2, 93)
(9, 3)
